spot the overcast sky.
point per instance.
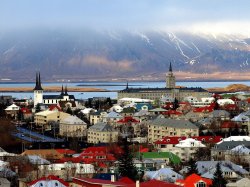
(207, 15)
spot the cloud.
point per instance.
(122, 14)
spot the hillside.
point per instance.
(95, 55)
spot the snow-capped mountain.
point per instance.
(92, 54)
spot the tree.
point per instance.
(192, 167)
(126, 168)
(219, 180)
(69, 111)
(38, 108)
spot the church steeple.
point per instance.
(38, 82)
(62, 92)
(170, 78)
(170, 67)
(66, 90)
(127, 85)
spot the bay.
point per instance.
(111, 87)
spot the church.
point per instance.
(40, 98)
(170, 91)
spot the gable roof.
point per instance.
(182, 124)
(101, 127)
(49, 178)
(159, 155)
(192, 179)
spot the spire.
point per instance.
(127, 85)
(170, 67)
(66, 90)
(38, 82)
(62, 93)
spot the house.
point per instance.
(72, 126)
(43, 118)
(161, 127)
(97, 117)
(143, 106)
(194, 180)
(230, 170)
(26, 113)
(220, 149)
(102, 133)
(50, 180)
(223, 102)
(48, 154)
(167, 157)
(4, 182)
(88, 182)
(116, 108)
(153, 183)
(12, 110)
(168, 143)
(185, 149)
(112, 118)
(220, 115)
(68, 169)
(163, 174)
(239, 154)
(244, 182)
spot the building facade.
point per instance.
(169, 91)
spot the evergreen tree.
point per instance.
(69, 111)
(219, 180)
(126, 168)
(192, 167)
(38, 108)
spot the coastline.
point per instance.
(52, 89)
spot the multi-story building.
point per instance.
(72, 126)
(170, 91)
(102, 133)
(43, 118)
(161, 127)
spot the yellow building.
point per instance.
(45, 117)
(72, 126)
(102, 133)
(161, 127)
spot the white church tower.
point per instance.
(38, 90)
(170, 78)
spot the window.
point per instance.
(201, 184)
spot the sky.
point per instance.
(195, 15)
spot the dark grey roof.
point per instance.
(57, 97)
(135, 90)
(228, 145)
(173, 123)
(101, 127)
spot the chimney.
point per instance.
(137, 184)
(112, 176)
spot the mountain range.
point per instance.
(122, 55)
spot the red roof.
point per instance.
(53, 107)
(235, 98)
(126, 180)
(191, 180)
(128, 119)
(217, 96)
(83, 181)
(154, 183)
(172, 112)
(25, 111)
(66, 151)
(230, 107)
(229, 124)
(50, 177)
(102, 165)
(175, 139)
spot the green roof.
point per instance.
(161, 155)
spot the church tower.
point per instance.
(38, 90)
(170, 78)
